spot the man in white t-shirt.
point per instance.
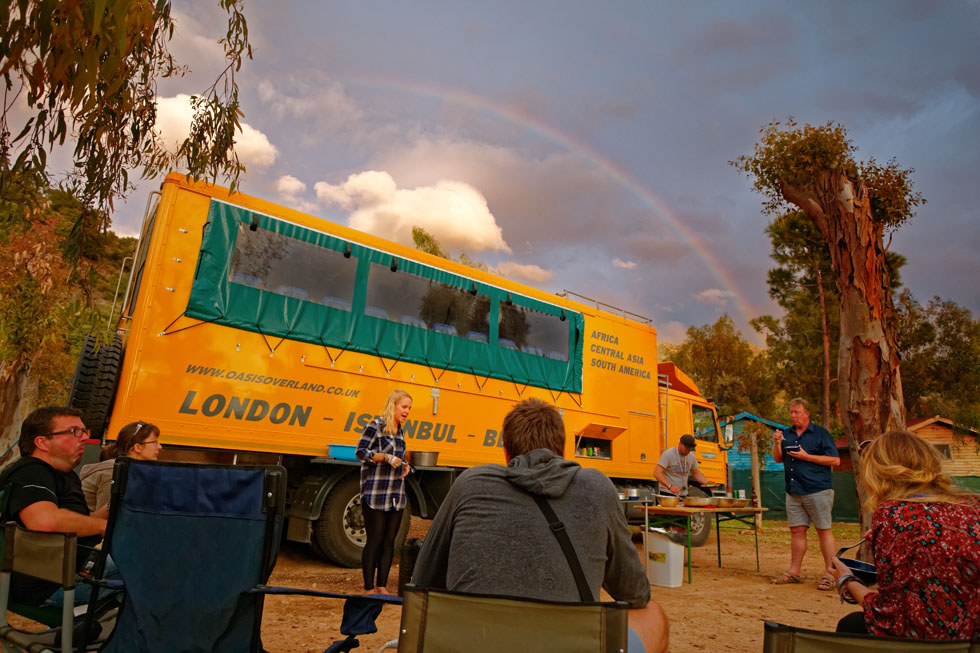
(676, 464)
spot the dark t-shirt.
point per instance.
(804, 477)
(26, 482)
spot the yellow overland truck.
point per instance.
(253, 333)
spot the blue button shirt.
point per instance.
(803, 477)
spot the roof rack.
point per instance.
(615, 309)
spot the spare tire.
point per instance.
(94, 384)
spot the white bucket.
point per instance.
(665, 565)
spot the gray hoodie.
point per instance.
(489, 536)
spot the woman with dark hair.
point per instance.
(139, 440)
(381, 451)
(925, 538)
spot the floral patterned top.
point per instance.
(928, 561)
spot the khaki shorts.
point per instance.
(804, 509)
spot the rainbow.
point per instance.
(603, 164)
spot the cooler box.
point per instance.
(665, 565)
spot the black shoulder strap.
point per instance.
(558, 528)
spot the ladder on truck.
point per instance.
(663, 381)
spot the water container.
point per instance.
(665, 565)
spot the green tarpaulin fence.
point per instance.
(845, 492)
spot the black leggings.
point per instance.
(381, 528)
(853, 623)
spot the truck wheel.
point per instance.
(339, 534)
(83, 381)
(700, 524)
(94, 384)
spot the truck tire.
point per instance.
(700, 524)
(94, 384)
(339, 533)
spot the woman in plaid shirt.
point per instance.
(383, 471)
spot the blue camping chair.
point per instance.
(194, 545)
(189, 542)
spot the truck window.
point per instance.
(534, 332)
(703, 419)
(267, 275)
(288, 266)
(413, 300)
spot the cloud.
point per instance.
(714, 297)
(327, 108)
(290, 190)
(454, 212)
(531, 273)
(673, 333)
(174, 116)
(626, 265)
(289, 186)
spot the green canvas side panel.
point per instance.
(971, 483)
(222, 294)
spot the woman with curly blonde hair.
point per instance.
(381, 451)
(925, 538)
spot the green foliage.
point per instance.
(762, 435)
(426, 242)
(44, 315)
(794, 155)
(940, 344)
(90, 70)
(726, 368)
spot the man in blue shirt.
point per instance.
(807, 452)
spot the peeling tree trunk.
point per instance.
(869, 383)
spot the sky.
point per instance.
(586, 146)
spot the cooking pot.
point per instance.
(699, 502)
(422, 458)
(633, 492)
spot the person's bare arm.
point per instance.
(777, 446)
(811, 458)
(659, 473)
(47, 516)
(699, 477)
(650, 623)
(858, 591)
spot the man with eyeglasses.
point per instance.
(43, 493)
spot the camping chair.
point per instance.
(189, 542)
(440, 621)
(787, 639)
(46, 556)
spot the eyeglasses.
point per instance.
(150, 441)
(863, 445)
(75, 432)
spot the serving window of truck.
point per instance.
(283, 280)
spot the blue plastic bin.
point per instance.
(342, 452)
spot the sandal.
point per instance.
(786, 579)
(826, 584)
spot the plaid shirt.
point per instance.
(382, 486)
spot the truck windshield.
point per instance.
(703, 419)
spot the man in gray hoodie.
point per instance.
(489, 537)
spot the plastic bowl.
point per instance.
(342, 452)
(865, 571)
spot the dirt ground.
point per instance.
(722, 610)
